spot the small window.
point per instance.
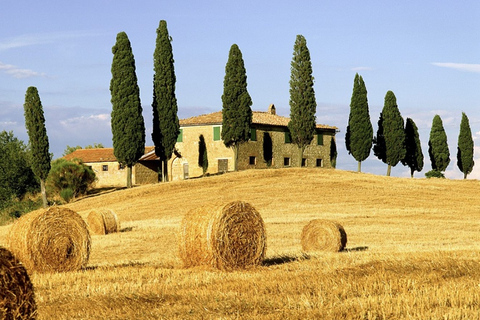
(252, 161)
(180, 136)
(304, 162)
(121, 166)
(105, 167)
(288, 137)
(320, 139)
(319, 163)
(286, 162)
(216, 133)
(253, 134)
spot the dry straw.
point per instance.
(226, 237)
(323, 235)
(54, 239)
(103, 221)
(17, 298)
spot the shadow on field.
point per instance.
(115, 266)
(284, 259)
(355, 249)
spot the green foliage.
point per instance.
(70, 174)
(16, 176)
(70, 149)
(128, 127)
(465, 147)
(358, 137)
(438, 146)
(379, 146)
(15, 208)
(236, 101)
(393, 130)
(333, 152)
(202, 154)
(413, 148)
(302, 96)
(434, 174)
(267, 148)
(166, 127)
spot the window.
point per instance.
(180, 136)
(319, 163)
(253, 134)
(286, 162)
(288, 137)
(252, 160)
(105, 167)
(216, 133)
(320, 139)
(304, 162)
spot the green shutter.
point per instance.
(180, 136)
(253, 134)
(216, 133)
(320, 139)
(288, 137)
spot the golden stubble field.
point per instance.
(413, 252)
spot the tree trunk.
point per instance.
(129, 176)
(235, 156)
(300, 156)
(164, 170)
(359, 169)
(44, 193)
(464, 176)
(389, 170)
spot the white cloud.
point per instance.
(362, 69)
(18, 72)
(459, 66)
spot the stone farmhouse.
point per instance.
(269, 146)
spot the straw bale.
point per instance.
(323, 235)
(17, 297)
(223, 236)
(103, 221)
(51, 240)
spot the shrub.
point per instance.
(434, 174)
(66, 194)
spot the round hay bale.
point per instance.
(103, 221)
(54, 239)
(17, 298)
(323, 235)
(225, 237)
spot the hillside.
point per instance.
(412, 251)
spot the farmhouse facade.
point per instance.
(270, 145)
(110, 173)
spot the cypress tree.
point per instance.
(465, 147)
(358, 137)
(128, 126)
(413, 148)
(236, 101)
(166, 127)
(393, 131)
(38, 139)
(438, 146)
(379, 147)
(302, 97)
(202, 154)
(333, 152)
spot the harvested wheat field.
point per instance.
(413, 252)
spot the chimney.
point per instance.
(271, 109)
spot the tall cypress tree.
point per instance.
(128, 126)
(393, 132)
(37, 138)
(202, 154)
(413, 148)
(358, 137)
(302, 97)
(166, 127)
(379, 147)
(236, 101)
(465, 147)
(438, 146)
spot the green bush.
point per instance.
(434, 174)
(69, 174)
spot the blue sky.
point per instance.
(426, 52)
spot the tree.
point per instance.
(358, 137)
(379, 147)
(438, 146)
(166, 127)
(267, 148)
(333, 152)
(236, 101)
(302, 97)
(16, 176)
(202, 154)
(70, 149)
(465, 147)
(128, 127)
(393, 132)
(413, 148)
(37, 138)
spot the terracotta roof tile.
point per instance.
(96, 155)
(258, 117)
